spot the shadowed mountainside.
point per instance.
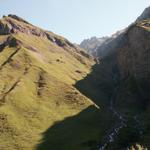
(93, 123)
(81, 131)
(128, 63)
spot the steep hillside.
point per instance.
(145, 15)
(38, 69)
(100, 47)
(133, 94)
(53, 96)
(121, 83)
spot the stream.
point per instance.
(112, 134)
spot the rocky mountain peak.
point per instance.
(17, 18)
(145, 15)
(12, 24)
(92, 43)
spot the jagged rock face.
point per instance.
(133, 62)
(134, 56)
(101, 47)
(124, 72)
(18, 18)
(145, 15)
(124, 64)
(13, 24)
(92, 44)
(111, 45)
(5, 28)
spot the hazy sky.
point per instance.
(77, 19)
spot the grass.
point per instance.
(27, 114)
(37, 92)
(41, 107)
(83, 131)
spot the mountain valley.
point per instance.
(56, 96)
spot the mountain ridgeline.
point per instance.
(92, 44)
(123, 74)
(38, 69)
(100, 47)
(54, 96)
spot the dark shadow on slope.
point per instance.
(99, 84)
(79, 132)
(85, 130)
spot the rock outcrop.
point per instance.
(145, 15)
(123, 79)
(134, 56)
(92, 44)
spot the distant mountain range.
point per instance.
(96, 45)
(92, 44)
(123, 73)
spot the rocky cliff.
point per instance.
(145, 15)
(92, 44)
(134, 55)
(121, 82)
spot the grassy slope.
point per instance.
(23, 112)
(36, 91)
(39, 106)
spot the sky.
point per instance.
(77, 19)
